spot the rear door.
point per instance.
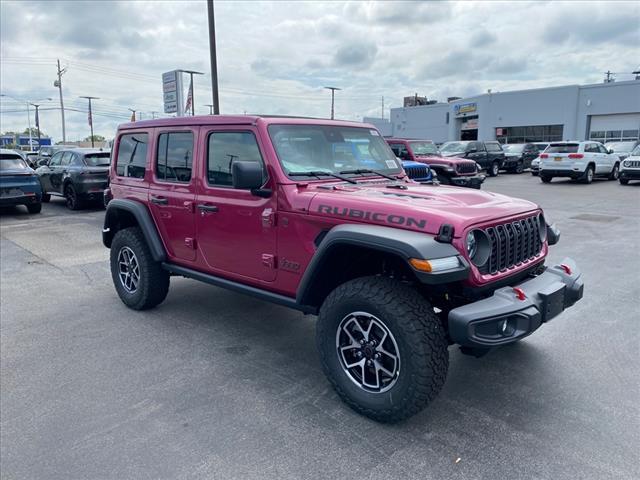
(608, 159)
(45, 171)
(59, 172)
(172, 190)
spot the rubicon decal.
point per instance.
(356, 214)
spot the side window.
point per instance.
(400, 150)
(55, 160)
(66, 158)
(132, 155)
(175, 157)
(591, 148)
(493, 147)
(226, 148)
(477, 146)
(602, 149)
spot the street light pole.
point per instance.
(333, 90)
(213, 58)
(91, 116)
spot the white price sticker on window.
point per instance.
(392, 164)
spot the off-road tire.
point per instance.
(534, 173)
(615, 173)
(73, 201)
(587, 177)
(419, 334)
(519, 167)
(46, 197)
(545, 179)
(494, 169)
(623, 181)
(34, 207)
(153, 284)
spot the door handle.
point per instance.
(160, 200)
(207, 208)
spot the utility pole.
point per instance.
(210, 108)
(37, 123)
(133, 114)
(608, 73)
(58, 83)
(91, 116)
(333, 91)
(383, 107)
(153, 115)
(213, 58)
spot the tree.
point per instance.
(96, 138)
(34, 132)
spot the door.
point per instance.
(172, 191)
(477, 153)
(608, 159)
(44, 172)
(236, 231)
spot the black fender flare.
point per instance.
(143, 218)
(405, 244)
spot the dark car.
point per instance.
(518, 156)
(450, 170)
(19, 184)
(78, 174)
(488, 155)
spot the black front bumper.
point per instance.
(471, 181)
(505, 318)
(630, 174)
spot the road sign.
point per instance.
(172, 92)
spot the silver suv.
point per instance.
(630, 167)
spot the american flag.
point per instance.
(187, 105)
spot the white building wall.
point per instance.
(608, 99)
(382, 124)
(427, 122)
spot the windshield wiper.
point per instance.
(363, 171)
(318, 173)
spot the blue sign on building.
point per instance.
(23, 140)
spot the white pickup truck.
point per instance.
(579, 161)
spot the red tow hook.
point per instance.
(566, 268)
(520, 293)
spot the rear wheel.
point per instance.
(494, 169)
(382, 347)
(587, 177)
(545, 178)
(615, 173)
(140, 281)
(34, 207)
(71, 196)
(519, 167)
(46, 198)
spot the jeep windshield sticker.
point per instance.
(391, 164)
(374, 216)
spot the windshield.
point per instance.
(562, 148)
(98, 159)
(423, 148)
(636, 151)
(328, 148)
(454, 147)
(619, 147)
(8, 161)
(513, 148)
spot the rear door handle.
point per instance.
(160, 200)
(207, 208)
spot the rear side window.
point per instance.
(132, 155)
(175, 157)
(102, 159)
(493, 147)
(226, 148)
(562, 148)
(591, 148)
(66, 158)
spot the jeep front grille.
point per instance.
(632, 163)
(417, 172)
(512, 244)
(466, 167)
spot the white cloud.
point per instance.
(275, 57)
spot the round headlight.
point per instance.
(472, 245)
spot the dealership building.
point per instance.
(603, 112)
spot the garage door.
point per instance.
(606, 128)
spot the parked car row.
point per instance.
(80, 175)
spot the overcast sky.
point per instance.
(275, 57)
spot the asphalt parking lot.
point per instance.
(213, 384)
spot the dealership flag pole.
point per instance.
(90, 118)
(213, 59)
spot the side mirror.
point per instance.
(609, 150)
(43, 162)
(246, 175)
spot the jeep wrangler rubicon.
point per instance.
(396, 271)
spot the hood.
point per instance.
(417, 207)
(452, 154)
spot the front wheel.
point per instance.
(140, 281)
(545, 179)
(615, 173)
(382, 347)
(494, 169)
(519, 167)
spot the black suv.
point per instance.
(79, 174)
(519, 156)
(488, 155)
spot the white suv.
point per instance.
(630, 167)
(579, 161)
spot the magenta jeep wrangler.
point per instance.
(395, 271)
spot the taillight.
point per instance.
(544, 155)
(576, 155)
